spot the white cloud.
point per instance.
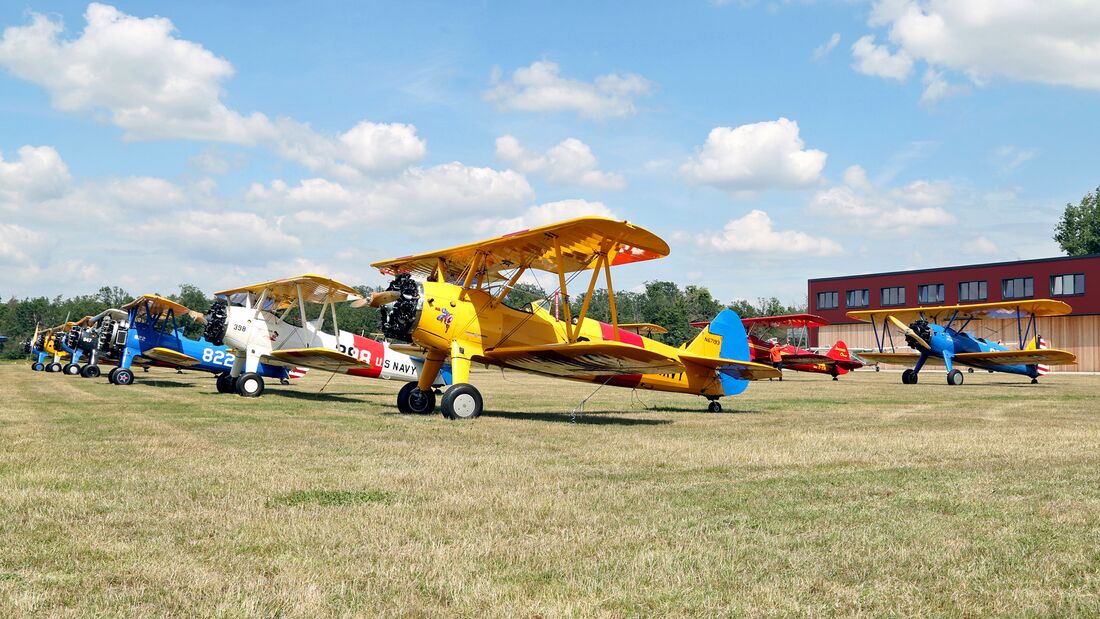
(571, 162)
(1010, 157)
(234, 238)
(764, 155)
(825, 48)
(541, 88)
(544, 215)
(214, 161)
(914, 206)
(18, 245)
(936, 87)
(38, 174)
(877, 60)
(154, 85)
(1047, 41)
(754, 233)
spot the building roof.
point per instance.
(956, 268)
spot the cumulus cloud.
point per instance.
(18, 245)
(540, 87)
(235, 238)
(764, 155)
(1047, 41)
(571, 162)
(913, 206)
(877, 60)
(154, 85)
(544, 215)
(936, 87)
(755, 233)
(38, 174)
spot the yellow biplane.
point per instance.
(458, 312)
(936, 333)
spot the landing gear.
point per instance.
(878, 369)
(71, 369)
(412, 400)
(462, 401)
(835, 376)
(909, 377)
(37, 367)
(90, 371)
(1035, 381)
(53, 367)
(715, 406)
(284, 381)
(954, 377)
(250, 385)
(226, 384)
(122, 376)
(969, 370)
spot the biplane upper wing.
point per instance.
(325, 359)
(283, 293)
(1049, 356)
(579, 242)
(171, 357)
(789, 321)
(585, 359)
(744, 370)
(643, 328)
(977, 311)
(158, 305)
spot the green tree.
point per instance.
(1078, 231)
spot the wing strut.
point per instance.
(564, 293)
(611, 298)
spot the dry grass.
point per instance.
(812, 498)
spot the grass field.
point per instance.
(806, 497)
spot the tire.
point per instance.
(954, 377)
(969, 370)
(411, 400)
(53, 367)
(124, 377)
(37, 367)
(715, 406)
(909, 377)
(111, 375)
(462, 401)
(250, 385)
(226, 384)
(90, 371)
(71, 369)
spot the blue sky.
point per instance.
(149, 144)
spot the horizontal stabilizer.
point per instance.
(743, 370)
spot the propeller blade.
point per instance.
(908, 332)
(378, 299)
(197, 317)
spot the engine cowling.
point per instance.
(217, 322)
(399, 318)
(920, 329)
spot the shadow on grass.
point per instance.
(702, 411)
(592, 419)
(309, 395)
(164, 383)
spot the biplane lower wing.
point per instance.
(899, 358)
(742, 370)
(585, 359)
(171, 357)
(325, 359)
(1048, 356)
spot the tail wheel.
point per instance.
(412, 400)
(90, 371)
(71, 369)
(250, 385)
(909, 377)
(37, 367)
(462, 401)
(123, 377)
(715, 406)
(954, 377)
(226, 384)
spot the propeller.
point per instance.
(910, 333)
(378, 299)
(198, 317)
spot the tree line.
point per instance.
(662, 303)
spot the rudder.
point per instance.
(724, 337)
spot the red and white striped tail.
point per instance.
(297, 372)
(1042, 368)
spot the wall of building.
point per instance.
(1079, 335)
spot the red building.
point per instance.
(1075, 280)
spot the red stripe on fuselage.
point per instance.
(377, 356)
(626, 337)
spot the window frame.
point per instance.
(981, 297)
(940, 288)
(900, 299)
(835, 299)
(1023, 280)
(866, 298)
(1076, 292)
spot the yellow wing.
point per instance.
(584, 359)
(580, 241)
(167, 355)
(977, 311)
(158, 304)
(1050, 356)
(744, 370)
(325, 359)
(643, 328)
(314, 288)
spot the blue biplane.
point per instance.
(938, 336)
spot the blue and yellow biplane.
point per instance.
(937, 335)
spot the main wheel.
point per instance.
(462, 401)
(90, 371)
(909, 377)
(71, 369)
(53, 367)
(123, 377)
(1035, 381)
(250, 385)
(37, 367)
(226, 384)
(954, 377)
(111, 375)
(715, 406)
(412, 400)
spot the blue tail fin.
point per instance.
(725, 337)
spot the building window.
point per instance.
(973, 291)
(930, 293)
(893, 296)
(1065, 285)
(828, 300)
(1018, 288)
(858, 298)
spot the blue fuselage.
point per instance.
(946, 343)
(142, 337)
